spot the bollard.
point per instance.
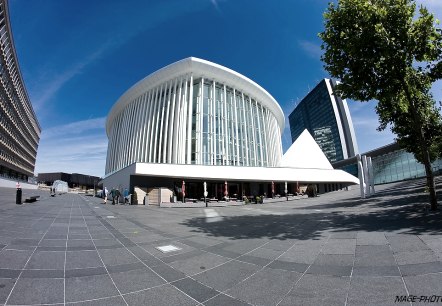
(18, 196)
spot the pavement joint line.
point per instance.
(92, 300)
(230, 260)
(101, 259)
(65, 254)
(235, 298)
(351, 273)
(296, 283)
(400, 272)
(310, 225)
(21, 272)
(147, 289)
(166, 282)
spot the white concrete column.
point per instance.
(166, 147)
(153, 125)
(175, 121)
(121, 139)
(129, 119)
(265, 148)
(140, 132)
(179, 120)
(183, 123)
(370, 170)
(232, 138)
(137, 128)
(226, 153)
(162, 124)
(366, 176)
(272, 141)
(147, 136)
(189, 123)
(171, 122)
(361, 176)
(130, 156)
(199, 124)
(236, 140)
(253, 152)
(246, 151)
(212, 111)
(117, 151)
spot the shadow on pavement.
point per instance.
(400, 209)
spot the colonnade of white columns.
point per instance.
(366, 175)
(189, 120)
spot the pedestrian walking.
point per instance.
(112, 192)
(117, 196)
(126, 196)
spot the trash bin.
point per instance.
(18, 196)
(146, 200)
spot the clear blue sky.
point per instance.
(78, 57)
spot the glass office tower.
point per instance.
(327, 118)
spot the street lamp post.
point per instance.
(285, 190)
(205, 193)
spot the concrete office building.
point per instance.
(327, 117)
(19, 128)
(74, 180)
(195, 121)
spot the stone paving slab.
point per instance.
(318, 290)
(265, 286)
(375, 291)
(335, 249)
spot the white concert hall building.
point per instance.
(195, 122)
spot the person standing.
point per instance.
(126, 196)
(112, 192)
(105, 193)
(117, 196)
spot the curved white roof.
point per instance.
(199, 68)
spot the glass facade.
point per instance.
(194, 120)
(398, 166)
(390, 164)
(327, 119)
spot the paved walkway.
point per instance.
(332, 250)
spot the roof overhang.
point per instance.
(236, 173)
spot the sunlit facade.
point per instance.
(19, 128)
(195, 112)
(195, 124)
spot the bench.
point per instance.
(31, 199)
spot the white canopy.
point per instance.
(303, 162)
(254, 174)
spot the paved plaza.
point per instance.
(335, 249)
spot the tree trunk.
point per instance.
(423, 148)
(431, 185)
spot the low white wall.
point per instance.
(120, 179)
